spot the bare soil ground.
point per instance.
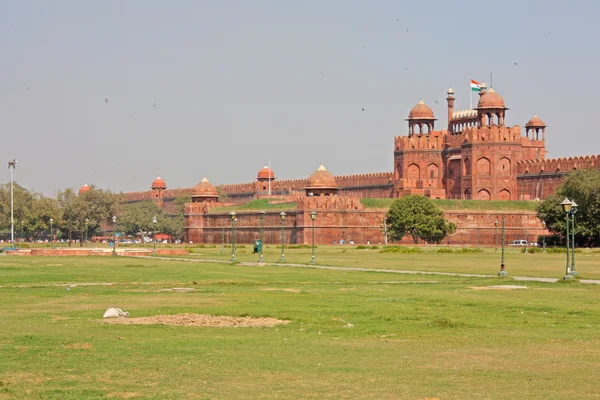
(499, 287)
(199, 320)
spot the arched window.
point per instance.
(504, 165)
(483, 194)
(414, 172)
(484, 166)
(504, 194)
(432, 171)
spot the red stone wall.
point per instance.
(541, 178)
(345, 218)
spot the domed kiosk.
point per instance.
(205, 192)
(159, 184)
(321, 183)
(266, 174)
(490, 108)
(84, 189)
(419, 117)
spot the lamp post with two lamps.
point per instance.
(87, 222)
(566, 206)
(114, 220)
(573, 212)
(503, 271)
(51, 237)
(233, 220)
(313, 216)
(154, 221)
(282, 216)
(261, 215)
(544, 237)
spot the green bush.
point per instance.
(465, 250)
(532, 250)
(554, 250)
(400, 250)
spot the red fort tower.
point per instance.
(474, 158)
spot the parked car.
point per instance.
(518, 243)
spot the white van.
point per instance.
(518, 243)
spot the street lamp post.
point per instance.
(261, 215)
(233, 219)
(114, 220)
(222, 241)
(573, 212)
(496, 236)
(503, 271)
(87, 221)
(154, 221)
(313, 216)
(282, 216)
(51, 237)
(12, 165)
(566, 206)
(544, 237)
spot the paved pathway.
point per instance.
(389, 271)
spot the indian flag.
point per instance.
(475, 86)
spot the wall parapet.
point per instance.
(558, 165)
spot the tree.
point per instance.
(177, 223)
(136, 218)
(418, 217)
(41, 210)
(584, 188)
(96, 206)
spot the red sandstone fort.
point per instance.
(475, 157)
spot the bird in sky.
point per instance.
(106, 100)
(154, 105)
(363, 109)
(516, 64)
(437, 102)
(28, 87)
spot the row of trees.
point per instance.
(584, 188)
(418, 217)
(73, 214)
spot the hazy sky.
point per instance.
(238, 82)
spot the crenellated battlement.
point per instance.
(329, 203)
(494, 133)
(434, 140)
(558, 165)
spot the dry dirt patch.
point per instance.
(80, 346)
(124, 395)
(178, 289)
(199, 320)
(499, 287)
(282, 290)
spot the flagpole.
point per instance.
(470, 97)
(269, 176)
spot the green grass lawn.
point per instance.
(487, 262)
(256, 205)
(411, 337)
(447, 204)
